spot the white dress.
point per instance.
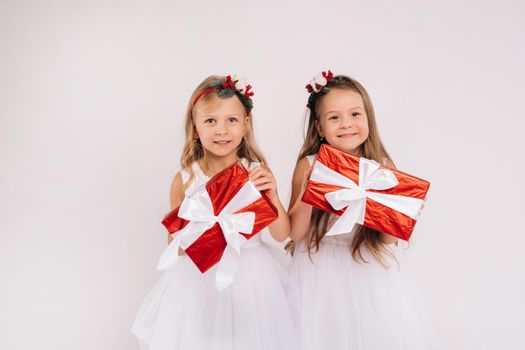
(340, 303)
(184, 310)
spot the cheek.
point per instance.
(363, 127)
(330, 129)
(322, 127)
(239, 128)
(198, 130)
(204, 132)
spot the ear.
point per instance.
(247, 122)
(195, 133)
(319, 128)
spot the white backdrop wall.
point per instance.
(92, 98)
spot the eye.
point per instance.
(333, 117)
(232, 120)
(209, 121)
(356, 114)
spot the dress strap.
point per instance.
(199, 179)
(185, 175)
(249, 165)
(311, 158)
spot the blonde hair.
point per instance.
(193, 150)
(371, 148)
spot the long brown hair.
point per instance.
(372, 148)
(192, 150)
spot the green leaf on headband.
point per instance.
(226, 92)
(218, 84)
(247, 102)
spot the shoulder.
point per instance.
(310, 159)
(300, 176)
(306, 163)
(178, 180)
(302, 169)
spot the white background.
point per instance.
(92, 98)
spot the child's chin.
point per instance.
(223, 152)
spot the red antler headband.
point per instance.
(319, 81)
(227, 88)
(318, 87)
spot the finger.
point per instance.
(268, 183)
(265, 187)
(251, 170)
(267, 170)
(261, 181)
(255, 178)
(254, 173)
(262, 174)
(265, 167)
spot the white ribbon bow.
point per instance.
(198, 210)
(353, 196)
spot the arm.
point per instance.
(176, 196)
(263, 180)
(298, 211)
(385, 237)
(280, 228)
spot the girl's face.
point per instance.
(342, 120)
(220, 124)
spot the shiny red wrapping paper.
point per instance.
(377, 216)
(207, 250)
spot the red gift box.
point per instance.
(208, 248)
(378, 197)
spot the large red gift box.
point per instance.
(362, 191)
(208, 248)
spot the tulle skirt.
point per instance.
(342, 304)
(184, 310)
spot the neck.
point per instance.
(211, 164)
(355, 152)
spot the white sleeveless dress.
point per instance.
(340, 303)
(184, 310)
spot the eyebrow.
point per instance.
(211, 115)
(361, 108)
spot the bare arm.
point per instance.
(280, 228)
(298, 211)
(176, 196)
(264, 180)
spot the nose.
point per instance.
(221, 129)
(346, 122)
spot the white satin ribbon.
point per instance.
(353, 196)
(198, 210)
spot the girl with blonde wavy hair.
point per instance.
(185, 310)
(352, 291)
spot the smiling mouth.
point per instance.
(346, 135)
(221, 142)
